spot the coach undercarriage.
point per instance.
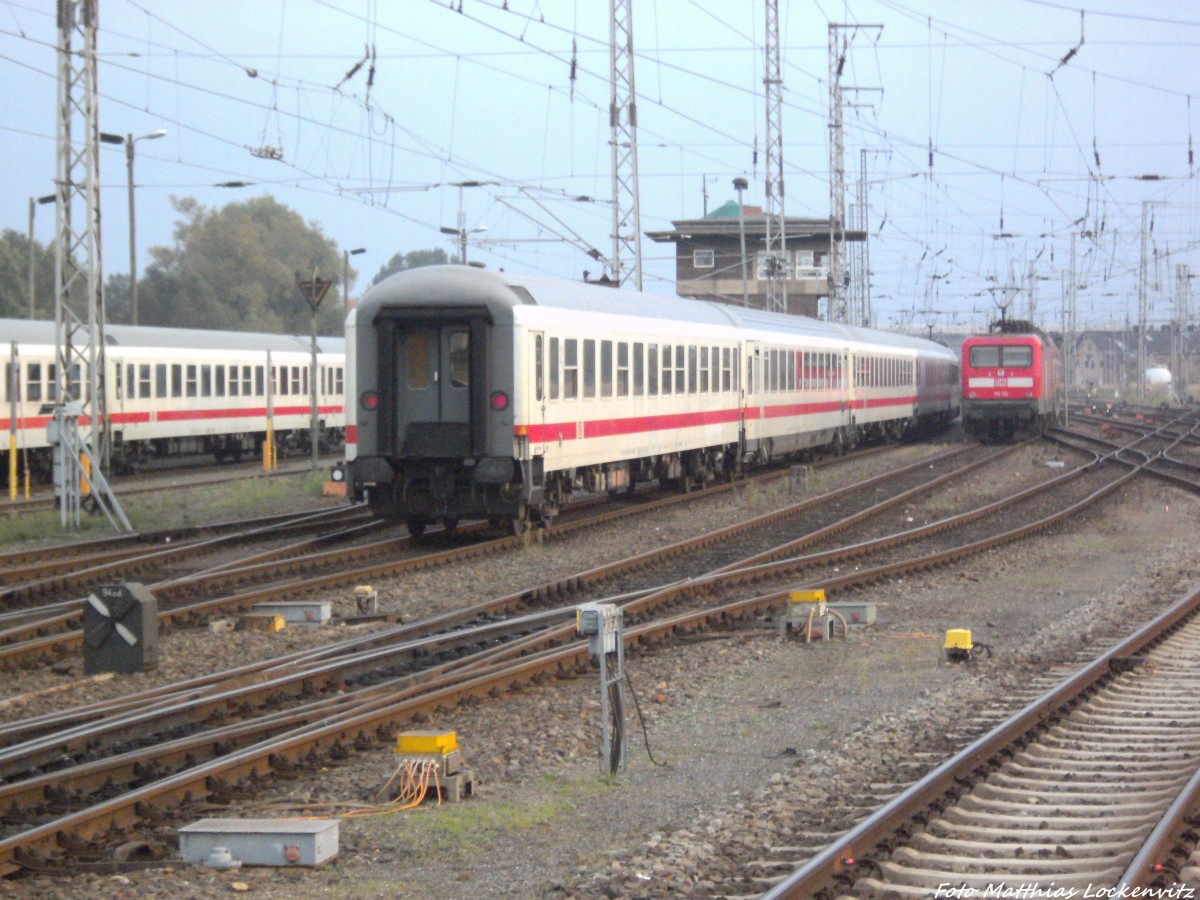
(521, 495)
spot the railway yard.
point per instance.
(749, 754)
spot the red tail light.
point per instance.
(369, 400)
(499, 401)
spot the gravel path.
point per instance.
(748, 731)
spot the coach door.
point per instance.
(433, 389)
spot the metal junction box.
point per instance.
(262, 842)
(298, 612)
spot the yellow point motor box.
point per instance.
(798, 599)
(958, 639)
(426, 743)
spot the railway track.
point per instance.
(1090, 786)
(545, 650)
(53, 628)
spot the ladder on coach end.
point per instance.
(74, 466)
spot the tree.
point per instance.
(235, 269)
(14, 277)
(413, 260)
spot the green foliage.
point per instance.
(235, 269)
(14, 277)
(413, 260)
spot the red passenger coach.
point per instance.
(1010, 382)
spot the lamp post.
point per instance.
(129, 140)
(346, 254)
(461, 233)
(739, 185)
(33, 204)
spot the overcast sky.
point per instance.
(1026, 148)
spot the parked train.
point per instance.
(484, 394)
(1010, 382)
(173, 390)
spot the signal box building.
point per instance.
(708, 258)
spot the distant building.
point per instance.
(708, 258)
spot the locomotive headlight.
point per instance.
(499, 401)
(369, 400)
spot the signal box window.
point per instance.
(703, 259)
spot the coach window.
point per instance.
(260, 381)
(606, 369)
(704, 370)
(715, 359)
(589, 368)
(160, 380)
(304, 386)
(220, 390)
(192, 384)
(668, 369)
(652, 369)
(144, 381)
(692, 373)
(570, 368)
(296, 388)
(416, 354)
(130, 388)
(206, 381)
(235, 382)
(639, 370)
(622, 369)
(679, 369)
(539, 367)
(554, 368)
(33, 381)
(460, 359)
(176, 380)
(792, 359)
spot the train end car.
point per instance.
(478, 394)
(1010, 382)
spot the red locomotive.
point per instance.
(1010, 381)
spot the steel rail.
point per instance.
(284, 752)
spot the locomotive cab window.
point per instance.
(985, 356)
(1016, 357)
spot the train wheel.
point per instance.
(416, 526)
(518, 527)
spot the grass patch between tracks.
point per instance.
(175, 506)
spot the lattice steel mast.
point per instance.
(840, 310)
(775, 249)
(79, 295)
(627, 218)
